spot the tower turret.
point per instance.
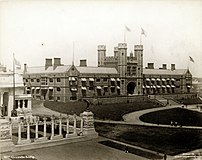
(138, 50)
(101, 55)
(122, 65)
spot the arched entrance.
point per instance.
(131, 87)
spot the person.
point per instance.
(165, 157)
(126, 149)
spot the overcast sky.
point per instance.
(35, 30)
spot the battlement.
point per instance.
(110, 59)
(116, 49)
(101, 48)
(122, 45)
(138, 47)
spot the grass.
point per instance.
(170, 141)
(182, 116)
(104, 111)
(189, 101)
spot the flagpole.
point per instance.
(141, 39)
(124, 36)
(13, 81)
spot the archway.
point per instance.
(131, 87)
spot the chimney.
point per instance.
(116, 52)
(57, 62)
(83, 63)
(48, 63)
(150, 65)
(172, 67)
(25, 68)
(164, 66)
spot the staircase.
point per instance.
(164, 101)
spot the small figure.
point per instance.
(126, 149)
(165, 157)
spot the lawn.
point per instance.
(171, 141)
(182, 116)
(189, 101)
(104, 111)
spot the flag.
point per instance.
(17, 64)
(128, 29)
(191, 59)
(143, 32)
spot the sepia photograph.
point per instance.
(100, 79)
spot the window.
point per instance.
(91, 86)
(50, 79)
(37, 91)
(58, 89)
(98, 80)
(58, 98)
(122, 81)
(84, 93)
(32, 80)
(118, 83)
(83, 83)
(38, 80)
(26, 80)
(58, 80)
(105, 79)
(21, 103)
(112, 89)
(26, 103)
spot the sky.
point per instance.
(34, 30)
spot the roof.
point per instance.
(164, 71)
(58, 69)
(97, 70)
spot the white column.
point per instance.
(67, 126)
(28, 130)
(81, 130)
(10, 125)
(37, 128)
(1, 99)
(74, 123)
(60, 126)
(44, 126)
(19, 131)
(52, 126)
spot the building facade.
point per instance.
(59, 82)
(117, 75)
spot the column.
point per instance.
(10, 124)
(74, 117)
(37, 128)
(81, 129)
(44, 126)
(28, 130)
(52, 126)
(1, 104)
(67, 126)
(19, 131)
(60, 125)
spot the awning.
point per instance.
(112, 79)
(118, 79)
(28, 89)
(50, 87)
(72, 79)
(147, 79)
(37, 87)
(172, 79)
(83, 79)
(172, 86)
(188, 86)
(91, 79)
(158, 86)
(151, 86)
(33, 87)
(118, 87)
(168, 79)
(147, 86)
(98, 87)
(74, 89)
(168, 86)
(154, 87)
(105, 86)
(163, 86)
(83, 88)
(153, 79)
(158, 79)
(163, 79)
(143, 86)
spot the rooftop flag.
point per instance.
(17, 63)
(143, 32)
(128, 29)
(191, 59)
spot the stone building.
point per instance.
(166, 81)
(59, 82)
